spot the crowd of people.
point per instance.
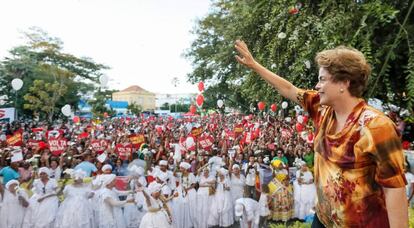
(157, 172)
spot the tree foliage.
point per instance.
(134, 109)
(372, 26)
(41, 59)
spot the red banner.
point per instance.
(99, 145)
(57, 146)
(124, 151)
(15, 140)
(121, 183)
(137, 140)
(206, 142)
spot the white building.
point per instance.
(179, 98)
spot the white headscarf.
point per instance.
(106, 167)
(236, 166)
(185, 165)
(11, 182)
(154, 187)
(44, 170)
(223, 171)
(136, 170)
(78, 174)
(107, 179)
(163, 162)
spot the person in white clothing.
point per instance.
(110, 207)
(248, 210)
(184, 204)
(44, 203)
(304, 191)
(221, 210)
(205, 194)
(133, 212)
(76, 199)
(158, 213)
(410, 186)
(14, 204)
(237, 183)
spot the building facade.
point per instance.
(137, 95)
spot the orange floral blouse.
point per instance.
(353, 165)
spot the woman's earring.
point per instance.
(341, 90)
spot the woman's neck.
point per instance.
(344, 108)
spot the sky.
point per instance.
(142, 41)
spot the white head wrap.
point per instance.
(238, 209)
(107, 179)
(136, 170)
(12, 182)
(163, 162)
(106, 167)
(223, 171)
(185, 165)
(154, 187)
(236, 166)
(44, 170)
(78, 174)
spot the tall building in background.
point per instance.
(137, 95)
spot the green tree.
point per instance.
(41, 58)
(98, 103)
(165, 106)
(382, 30)
(134, 109)
(42, 97)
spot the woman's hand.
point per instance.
(245, 57)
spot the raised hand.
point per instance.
(245, 57)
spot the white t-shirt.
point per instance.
(410, 179)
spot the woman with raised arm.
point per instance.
(359, 160)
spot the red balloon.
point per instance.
(273, 107)
(193, 109)
(305, 119)
(76, 119)
(200, 100)
(310, 136)
(105, 115)
(299, 127)
(201, 86)
(261, 105)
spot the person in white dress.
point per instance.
(221, 210)
(248, 210)
(44, 203)
(158, 213)
(304, 191)
(205, 193)
(133, 212)
(237, 183)
(76, 210)
(14, 204)
(96, 187)
(185, 202)
(110, 207)
(171, 182)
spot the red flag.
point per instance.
(16, 139)
(99, 145)
(137, 140)
(57, 146)
(124, 151)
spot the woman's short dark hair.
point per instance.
(346, 64)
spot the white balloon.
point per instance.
(17, 84)
(304, 135)
(297, 108)
(284, 104)
(66, 110)
(288, 119)
(103, 80)
(300, 119)
(220, 103)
